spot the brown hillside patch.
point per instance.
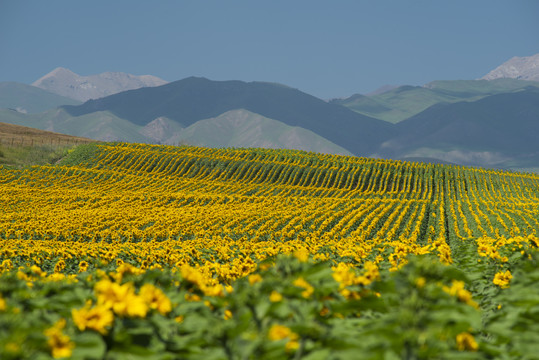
(16, 135)
(22, 146)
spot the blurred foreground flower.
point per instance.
(502, 279)
(96, 318)
(60, 344)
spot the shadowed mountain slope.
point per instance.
(499, 130)
(190, 100)
(406, 101)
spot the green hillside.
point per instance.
(100, 125)
(238, 128)
(22, 146)
(496, 131)
(471, 88)
(30, 99)
(403, 102)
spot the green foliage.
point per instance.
(514, 326)
(407, 314)
(24, 156)
(81, 154)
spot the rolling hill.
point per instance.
(496, 131)
(22, 146)
(190, 100)
(406, 101)
(100, 125)
(235, 128)
(28, 135)
(242, 128)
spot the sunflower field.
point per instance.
(132, 251)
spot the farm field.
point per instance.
(127, 251)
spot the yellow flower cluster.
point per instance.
(60, 344)
(307, 288)
(457, 289)
(213, 214)
(344, 274)
(119, 299)
(281, 332)
(502, 279)
(466, 341)
(98, 318)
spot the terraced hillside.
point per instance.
(207, 228)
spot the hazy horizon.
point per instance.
(326, 49)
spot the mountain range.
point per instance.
(496, 131)
(66, 83)
(192, 99)
(403, 102)
(490, 123)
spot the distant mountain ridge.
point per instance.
(236, 128)
(490, 123)
(406, 101)
(496, 131)
(192, 99)
(66, 83)
(382, 89)
(523, 68)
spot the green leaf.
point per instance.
(88, 345)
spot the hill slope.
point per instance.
(22, 146)
(29, 99)
(190, 100)
(499, 130)
(236, 128)
(29, 134)
(242, 128)
(102, 125)
(405, 101)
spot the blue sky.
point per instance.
(325, 48)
